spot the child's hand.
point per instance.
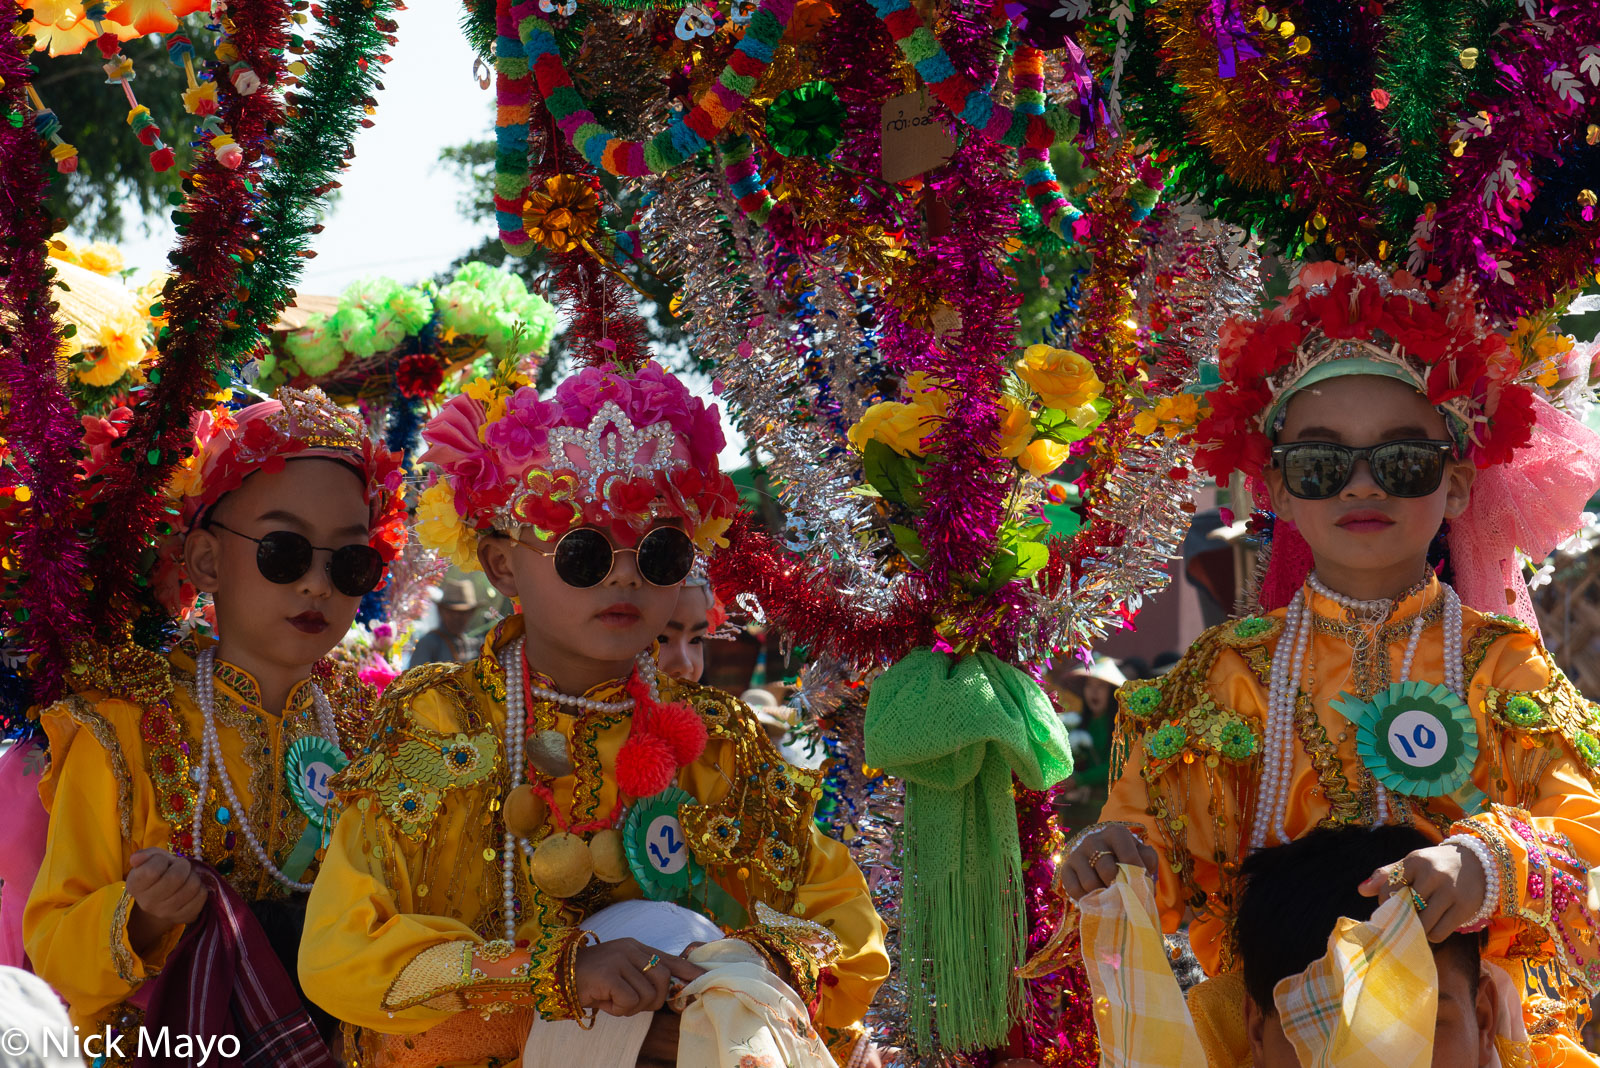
(1093, 864)
(618, 979)
(166, 892)
(1447, 877)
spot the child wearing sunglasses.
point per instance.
(1405, 454)
(219, 751)
(507, 800)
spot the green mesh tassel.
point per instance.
(956, 730)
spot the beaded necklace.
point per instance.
(211, 752)
(1284, 691)
(513, 665)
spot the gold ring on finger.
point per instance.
(1397, 878)
(655, 958)
(1095, 858)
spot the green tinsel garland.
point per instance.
(1421, 71)
(323, 115)
(1153, 106)
(477, 23)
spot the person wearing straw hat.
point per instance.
(1096, 687)
(447, 643)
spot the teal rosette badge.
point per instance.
(1417, 738)
(308, 765)
(660, 858)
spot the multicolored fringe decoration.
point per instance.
(218, 207)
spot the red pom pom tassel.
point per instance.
(645, 766)
(681, 727)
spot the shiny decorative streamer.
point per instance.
(38, 425)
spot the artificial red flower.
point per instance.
(419, 376)
(1510, 426)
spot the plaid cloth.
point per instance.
(1371, 1001)
(223, 978)
(1139, 1010)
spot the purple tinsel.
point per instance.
(44, 608)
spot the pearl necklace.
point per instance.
(211, 752)
(1283, 693)
(511, 666)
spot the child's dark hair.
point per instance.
(1294, 894)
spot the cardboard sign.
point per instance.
(913, 141)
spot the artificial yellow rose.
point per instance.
(1016, 427)
(1171, 415)
(899, 426)
(1063, 379)
(1044, 456)
(439, 527)
(919, 386)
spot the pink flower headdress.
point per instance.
(616, 449)
(229, 447)
(1537, 465)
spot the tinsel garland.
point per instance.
(217, 237)
(322, 115)
(1421, 76)
(965, 94)
(965, 486)
(687, 134)
(45, 600)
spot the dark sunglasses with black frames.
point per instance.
(283, 556)
(1318, 470)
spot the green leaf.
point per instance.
(898, 478)
(1003, 570)
(909, 544)
(1031, 557)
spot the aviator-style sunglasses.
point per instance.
(283, 556)
(584, 556)
(1317, 470)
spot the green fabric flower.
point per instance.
(806, 121)
(1524, 711)
(1167, 742)
(1141, 700)
(1588, 747)
(1251, 627)
(1236, 740)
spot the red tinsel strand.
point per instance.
(603, 321)
(45, 608)
(1058, 1029)
(801, 597)
(216, 219)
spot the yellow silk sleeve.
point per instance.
(75, 926)
(1185, 828)
(1543, 827)
(360, 933)
(835, 895)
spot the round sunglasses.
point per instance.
(1317, 470)
(282, 556)
(584, 557)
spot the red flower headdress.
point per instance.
(1436, 339)
(229, 447)
(1537, 465)
(617, 449)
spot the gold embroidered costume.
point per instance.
(1187, 777)
(122, 752)
(405, 932)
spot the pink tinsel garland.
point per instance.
(45, 608)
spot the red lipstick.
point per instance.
(1365, 521)
(309, 622)
(620, 614)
